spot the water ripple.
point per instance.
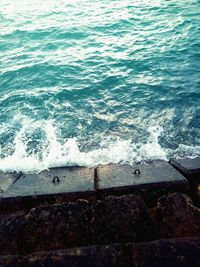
(88, 82)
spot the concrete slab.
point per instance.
(188, 167)
(153, 178)
(70, 181)
(6, 179)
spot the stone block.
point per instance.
(176, 216)
(57, 183)
(105, 256)
(9, 230)
(71, 179)
(121, 219)
(114, 255)
(11, 261)
(150, 180)
(6, 179)
(56, 227)
(189, 167)
(183, 252)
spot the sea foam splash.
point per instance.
(55, 153)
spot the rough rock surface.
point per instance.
(183, 252)
(176, 216)
(91, 256)
(121, 219)
(115, 219)
(9, 227)
(105, 256)
(56, 226)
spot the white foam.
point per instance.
(55, 152)
(191, 151)
(152, 149)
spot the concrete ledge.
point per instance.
(190, 168)
(53, 186)
(54, 181)
(149, 180)
(6, 179)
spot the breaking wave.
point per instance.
(54, 152)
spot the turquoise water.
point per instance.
(88, 82)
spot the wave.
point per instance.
(83, 82)
(54, 152)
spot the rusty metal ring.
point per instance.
(137, 172)
(56, 179)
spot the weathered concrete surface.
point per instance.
(155, 179)
(72, 179)
(182, 252)
(6, 179)
(121, 219)
(56, 226)
(188, 167)
(9, 227)
(176, 216)
(32, 189)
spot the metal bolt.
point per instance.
(56, 180)
(137, 172)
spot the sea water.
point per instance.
(84, 82)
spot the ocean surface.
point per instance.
(98, 81)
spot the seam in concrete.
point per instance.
(17, 176)
(96, 179)
(178, 167)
